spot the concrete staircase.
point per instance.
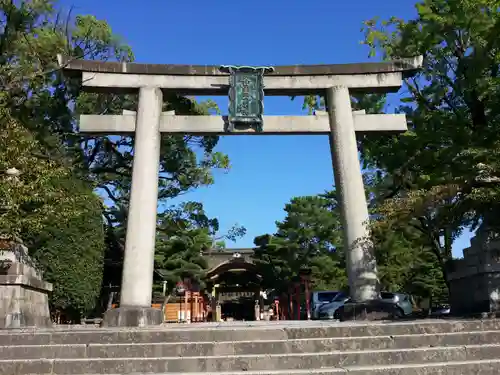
(292, 348)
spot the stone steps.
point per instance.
(403, 348)
(245, 363)
(240, 332)
(489, 367)
(196, 349)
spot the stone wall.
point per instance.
(475, 279)
(24, 300)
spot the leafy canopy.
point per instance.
(39, 108)
(443, 174)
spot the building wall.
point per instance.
(179, 310)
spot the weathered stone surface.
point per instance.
(32, 366)
(24, 297)
(248, 332)
(260, 362)
(459, 368)
(486, 367)
(22, 307)
(198, 349)
(403, 348)
(369, 311)
(475, 279)
(132, 317)
(409, 66)
(208, 80)
(43, 351)
(218, 125)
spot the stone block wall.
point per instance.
(475, 279)
(24, 300)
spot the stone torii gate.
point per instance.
(339, 122)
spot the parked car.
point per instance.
(327, 311)
(319, 298)
(440, 310)
(402, 300)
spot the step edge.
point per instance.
(344, 338)
(222, 327)
(336, 352)
(422, 365)
(333, 370)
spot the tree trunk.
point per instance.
(436, 248)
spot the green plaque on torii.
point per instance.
(246, 96)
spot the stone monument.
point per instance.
(245, 87)
(23, 293)
(475, 279)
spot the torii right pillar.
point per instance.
(360, 259)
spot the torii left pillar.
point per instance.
(138, 266)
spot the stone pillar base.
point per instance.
(369, 311)
(24, 300)
(131, 316)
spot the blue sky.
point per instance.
(269, 170)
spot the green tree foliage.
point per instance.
(310, 236)
(70, 250)
(185, 232)
(406, 261)
(26, 200)
(444, 172)
(47, 207)
(44, 104)
(35, 32)
(180, 257)
(56, 215)
(186, 163)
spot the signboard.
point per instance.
(230, 296)
(246, 96)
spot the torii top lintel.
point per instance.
(208, 79)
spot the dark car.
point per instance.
(440, 310)
(320, 298)
(403, 301)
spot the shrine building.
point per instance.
(233, 283)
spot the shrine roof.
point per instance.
(231, 266)
(407, 66)
(230, 251)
